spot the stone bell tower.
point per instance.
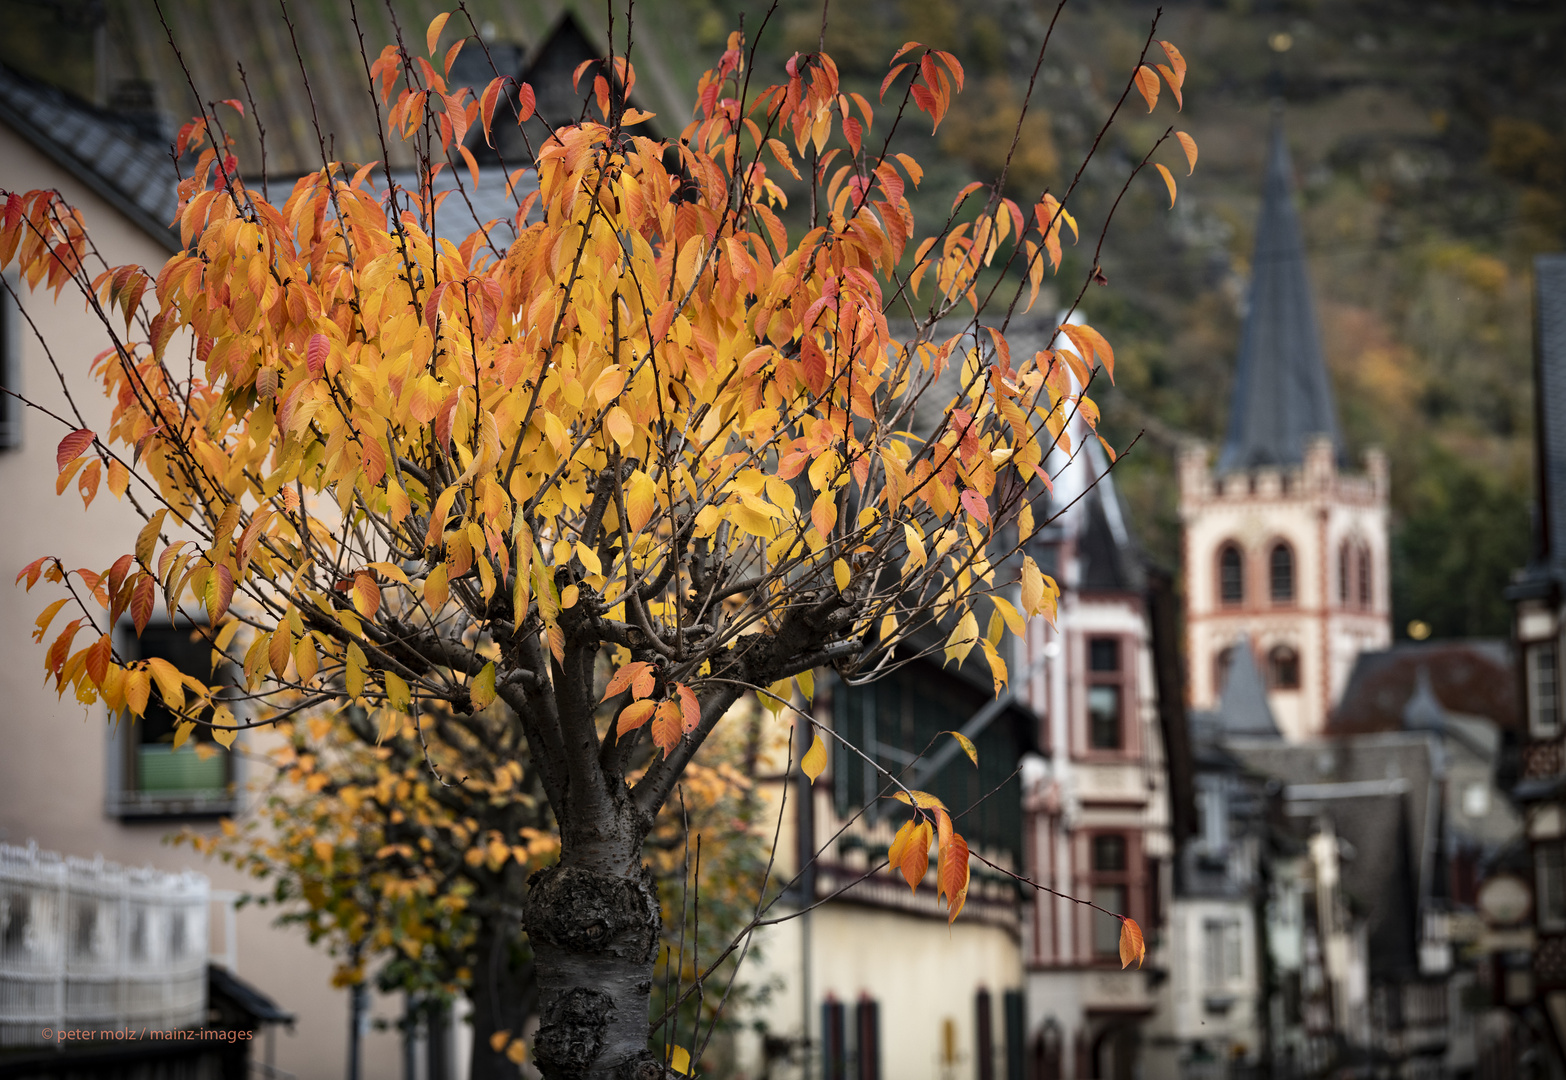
(1285, 552)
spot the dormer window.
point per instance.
(1280, 567)
(1231, 575)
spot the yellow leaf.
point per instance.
(436, 591)
(967, 745)
(119, 478)
(1032, 586)
(922, 799)
(1014, 621)
(680, 1060)
(223, 729)
(482, 688)
(641, 498)
(589, 559)
(814, 763)
(840, 574)
(397, 693)
(964, 636)
(1168, 181)
(353, 670)
(516, 1053)
(182, 732)
(617, 422)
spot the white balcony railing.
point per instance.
(90, 945)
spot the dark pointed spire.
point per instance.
(1281, 394)
(1243, 707)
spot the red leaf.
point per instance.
(72, 447)
(31, 572)
(143, 598)
(974, 503)
(525, 103)
(97, 658)
(316, 353)
(222, 586)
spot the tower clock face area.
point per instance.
(1286, 554)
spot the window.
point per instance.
(984, 1035)
(1110, 891)
(1345, 572)
(1549, 883)
(10, 367)
(1105, 694)
(1221, 957)
(150, 777)
(1283, 668)
(1212, 811)
(1280, 567)
(1543, 691)
(1231, 575)
(1221, 664)
(1364, 576)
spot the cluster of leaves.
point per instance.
(401, 473)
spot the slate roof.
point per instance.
(1281, 393)
(106, 152)
(1473, 677)
(1243, 710)
(214, 39)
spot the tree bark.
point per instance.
(594, 934)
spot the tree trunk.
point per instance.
(594, 935)
(505, 993)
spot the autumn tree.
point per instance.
(656, 453)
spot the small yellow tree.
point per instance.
(411, 475)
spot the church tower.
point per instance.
(1285, 554)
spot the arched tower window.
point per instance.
(1280, 567)
(1364, 576)
(1231, 575)
(1283, 668)
(1221, 663)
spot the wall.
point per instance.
(53, 771)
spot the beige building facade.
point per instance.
(62, 774)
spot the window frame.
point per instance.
(123, 797)
(1127, 881)
(1275, 657)
(1123, 680)
(1287, 549)
(1533, 653)
(1226, 549)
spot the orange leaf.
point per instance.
(666, 726)
(1176, 59)
(72, 446)
(525, 103)
(222, 591)
(366, 594)
(1132, 947)
(437, 24)
(634, 716)
(952, 877)
(1147, 83)
(143, 598)
(1174, 85)
(622, 679)
(910, 852)
(97, 658)
(1168, 181)
(690, 708)
(487, 106)
(1188, 144)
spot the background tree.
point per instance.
(658, 439)
(417, 881)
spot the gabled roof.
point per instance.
(1472, 677)
(215, 40)
(106, 152)
(1281, 393)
